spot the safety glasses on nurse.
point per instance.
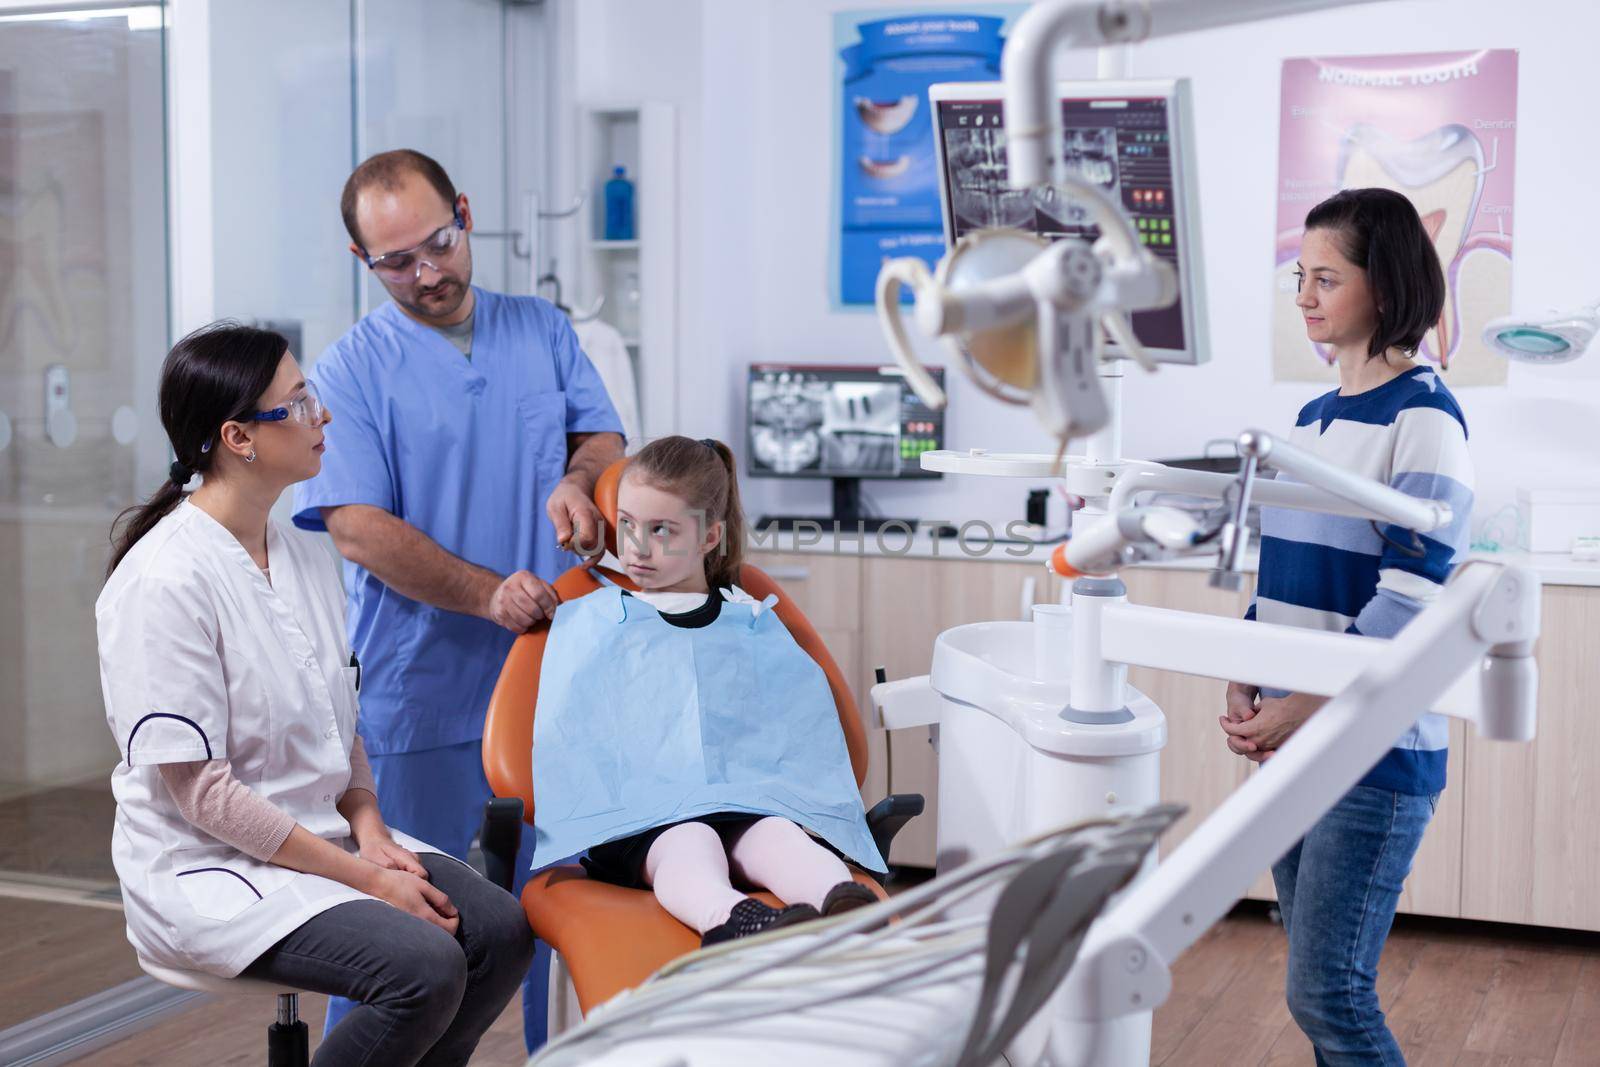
(406, 265)
(306, 409)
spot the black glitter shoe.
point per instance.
(847, 896)
(751, 916)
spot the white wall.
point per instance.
(280, 152)
(754, 83)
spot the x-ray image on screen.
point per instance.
(786, 420)
(861, 427)
(1091, 153)
(834, 420)
(977, 173)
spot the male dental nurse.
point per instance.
(471, 431)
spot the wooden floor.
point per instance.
(1456, 994)
(54, 954)
(218, 1034)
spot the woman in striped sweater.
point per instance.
(1370, 289)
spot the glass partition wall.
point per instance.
(83, 326)
(117, 235)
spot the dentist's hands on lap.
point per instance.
(1257, 726)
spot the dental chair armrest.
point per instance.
(500, 838)
(889, 815)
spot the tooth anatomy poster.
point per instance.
(888, 193)
(1440, 128)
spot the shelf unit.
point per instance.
(641, 136)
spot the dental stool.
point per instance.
(288, 1043)
(606, 937)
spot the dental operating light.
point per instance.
(1554, 338)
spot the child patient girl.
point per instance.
(681, 735)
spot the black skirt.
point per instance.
(621, 862)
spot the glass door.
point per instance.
(83, 329)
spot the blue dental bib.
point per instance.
(641, 723)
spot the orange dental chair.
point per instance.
(608, 937)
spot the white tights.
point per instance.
(688, 867)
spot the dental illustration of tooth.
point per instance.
(886, 118)
(1440, 128)
(1442, 174)
(979, 193)
(885, 168)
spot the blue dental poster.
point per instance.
(888, 198)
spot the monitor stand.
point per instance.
(847, 517)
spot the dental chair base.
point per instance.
(1015, 760)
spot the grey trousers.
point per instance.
(423, 997)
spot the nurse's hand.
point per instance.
(576, 518)
(522, 600)
(390, 856)
(416, 897)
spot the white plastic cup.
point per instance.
(1052, 642)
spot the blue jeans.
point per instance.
(1337, 890)
(437, 795)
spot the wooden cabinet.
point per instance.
(907, 603)
(1513, 839)
(886, 612)
(1531, 832)
(1198, 770)
(1196, 767)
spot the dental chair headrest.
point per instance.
(605, 498)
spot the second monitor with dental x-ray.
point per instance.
(1134, 139)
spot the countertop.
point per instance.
(978, 543)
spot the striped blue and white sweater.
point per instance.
(1327, 572)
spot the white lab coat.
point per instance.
(605, 348)
(202, 658)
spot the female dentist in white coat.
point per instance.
(248, 838)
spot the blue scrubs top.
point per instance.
(467, 451)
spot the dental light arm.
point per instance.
(1032, 125)
(1054, 299)
(1371, 499)
(1135, 534)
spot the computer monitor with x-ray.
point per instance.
(844, 422)
(1134, 139)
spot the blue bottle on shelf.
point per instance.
(619, 206)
